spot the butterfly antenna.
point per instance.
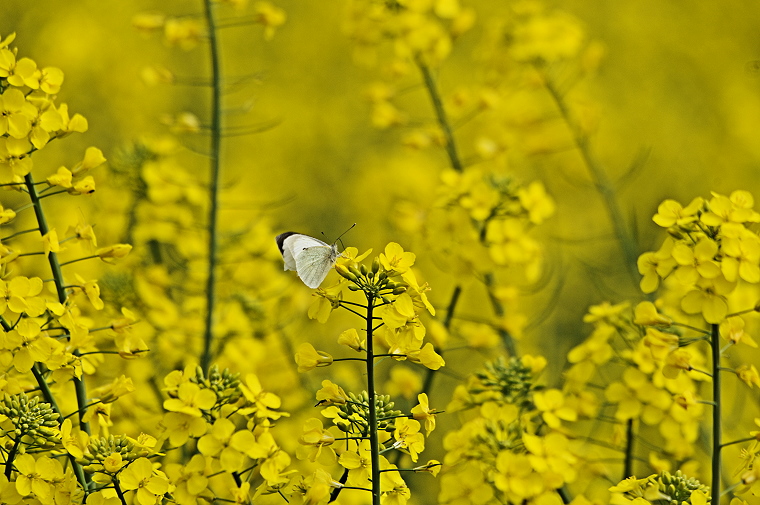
(339, 236)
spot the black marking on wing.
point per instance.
(280, 239)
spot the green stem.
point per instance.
(440, 113)
(628, 461)
(717, 444)
(215, 153)
(12, 456)
(47, 394)
(601, 181)
(498, 309)
(79, 386)
(119, 492)
(373, 435)
(430, 375)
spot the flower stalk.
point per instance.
(717, 444)
(215, 168)
(373, 438)
(79, 385)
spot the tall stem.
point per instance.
(80, 388)
(506, 338)
(440, 114)
(55, 267)
(601, 181)
(373, 438)
(215, 153)
(430, 374)
(717, 444)
(629, 440)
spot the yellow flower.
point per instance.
(84, 186)
(395, 260)
(426, 357)
(547, 37)
(315, 443)
(113, 463)
(183, 32)
(229, 446)
(417, 292)
(393, 489)
(309, 358)
(14, 162)
(84, 235)
(15, 114)
(264, 403)
(191, 400)
(748, 374)
(74, 440)
(671, 213)
(408, 436)
(148, 484)
(328, 299)
(709, 299)
(732, 329)
(331, 394)
(6, 215)
(351, 339)
(676, 361)
(114, 252)
(358, 463)
(20, 295)
(697, 262)
(35, 477)
(551, 404)
(611, 314)
(741, 253)
(190, 479)
(655, 266)
(93, 157)
(535, 200)
(270, 16)
(646, 314)
(734, 209)
(99, 417)
(423, 411)
(686, 399)
(119, 387)
(92, 291)
(180, 427)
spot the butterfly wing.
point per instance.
(314, 263)
(291, 244)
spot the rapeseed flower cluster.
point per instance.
(366, 426)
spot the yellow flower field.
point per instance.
(379, 252)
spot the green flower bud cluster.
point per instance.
(32, 419)
(354, 414)
(225, 384)
(679, 487)
(100, 448)
(511, 380)
(373, 281)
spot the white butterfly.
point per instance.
(311, 258)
